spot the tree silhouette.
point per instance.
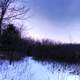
(11, 43)
(9, 11)
(11, 37)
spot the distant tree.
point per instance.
(11, 36)
(9, 11)
(11, 40)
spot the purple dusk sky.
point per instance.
(58, 20)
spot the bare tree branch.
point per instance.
(8, 11)
(17, 14)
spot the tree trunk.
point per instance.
(1, 20)
(0, 30)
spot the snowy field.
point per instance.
(29, 69)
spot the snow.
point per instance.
(29, 69)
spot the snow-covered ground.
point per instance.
(29, 69)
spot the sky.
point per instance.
(57, 20)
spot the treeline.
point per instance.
(13, 47)
(58, 52)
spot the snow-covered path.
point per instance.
(29, 69)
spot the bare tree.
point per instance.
(11, 10)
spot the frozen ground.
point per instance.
(29, 69)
